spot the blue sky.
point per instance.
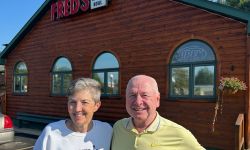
(13, 16)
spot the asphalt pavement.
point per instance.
(24, 140)
(20, 143)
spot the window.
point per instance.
(192, 71)
(20, 78)
(61, 76)
(106, 71)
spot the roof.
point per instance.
(223, 10)
(202, 4)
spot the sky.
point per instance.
(14, 14)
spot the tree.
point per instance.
(180, 78)
(233, 3)
(204, 77)
(245, 5)
(241, 4)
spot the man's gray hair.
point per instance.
(85, 84)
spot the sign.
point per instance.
(98, 3)
(65, 8)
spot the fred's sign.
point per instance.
(65, 8)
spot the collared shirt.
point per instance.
(128, 124)
(162, 134)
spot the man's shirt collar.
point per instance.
(128, 124)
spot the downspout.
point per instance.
(247, 98)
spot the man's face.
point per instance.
(81, 108)
(141, 100)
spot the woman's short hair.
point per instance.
(88, 84)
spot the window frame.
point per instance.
(61, 75)
(20, 75)
(105, 71)
(191, 66)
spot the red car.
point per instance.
(6, 129)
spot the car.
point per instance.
(6, 129)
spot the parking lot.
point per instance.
(21, 142)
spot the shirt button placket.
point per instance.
(138, 141)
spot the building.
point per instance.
(186, 45)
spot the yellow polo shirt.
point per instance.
(162, 134)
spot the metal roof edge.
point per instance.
(220, 9)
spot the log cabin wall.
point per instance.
(143, 35)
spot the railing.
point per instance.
(239, 132)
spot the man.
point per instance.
(79, 132)
(146, 129)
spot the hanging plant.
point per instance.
(229, 85)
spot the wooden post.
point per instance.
(239, 133)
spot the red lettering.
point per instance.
(59, 9)
(74, 6)
(53, 11)
(66, 8)
(85, 5)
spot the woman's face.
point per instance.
(81, 108)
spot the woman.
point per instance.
(79, 132)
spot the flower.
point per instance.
(232, 83)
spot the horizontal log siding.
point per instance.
(142, 34)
